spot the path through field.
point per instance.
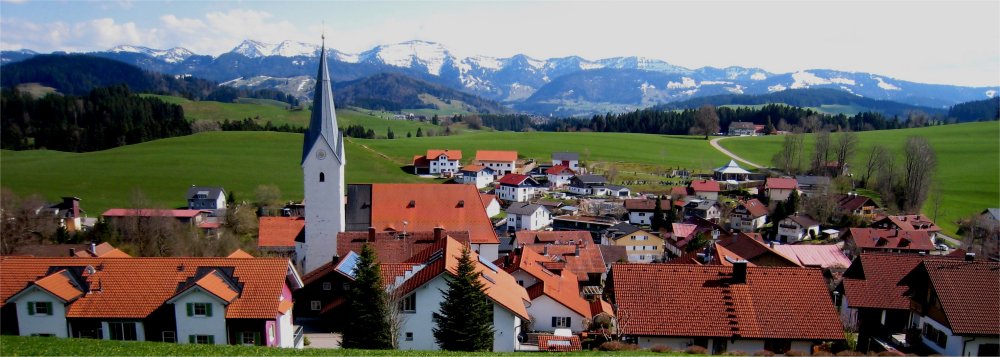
(715, 144)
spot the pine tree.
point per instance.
(435, 120)
(409, 135)
(390, 135)
(420, 133)
(368, 314)
(465, 320)
(657, 220)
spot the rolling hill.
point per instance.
(810, 98)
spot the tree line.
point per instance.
(107, 117)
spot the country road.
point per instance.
(715, 144)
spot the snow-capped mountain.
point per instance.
(173, 55)
(523, 81)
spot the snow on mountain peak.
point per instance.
(254, 49)
(294, 49)
(429, 54)
(804, 79)
(885, 85)
(173, 55)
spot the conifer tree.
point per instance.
(420, 133)
(465, 320)
(368, 313)
(657, 220)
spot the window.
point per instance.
(169, 336)
(201, 339)
(937, 336)
(409, 336)
(39, 308)
(122, 331)
(315, 305)
(250, 338)
(560, 322)
(322, 177)
(409, 303)
(328, 286)
(199, 309)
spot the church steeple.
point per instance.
(323, 122)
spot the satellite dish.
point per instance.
(89, 270)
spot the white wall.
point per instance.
(778, 194)
(527, 279)
(442, 164)
(542, 310)
(506, 327)
(28, 325)
(287, 337)
(955, 343)
(559, 180)
(324, 207)
(640, 218)
(200, 325)
(745, 345)
(490, 252)
(714, 196)
(579, 190)
(501, 168)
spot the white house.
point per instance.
(707, 209)
(207, 198)
(478, 175)
(559, 176)
(748, 216)
(525, 216)
(422, 288)
(557, 303)
(438, 162)
(516, 187)
(584, 184)
(491, 203)
(706, 189)
(796, 228)
(778, 189)
(503, 162)
(234, 300)
(640, 211)
(570, 160)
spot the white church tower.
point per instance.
(323, 164)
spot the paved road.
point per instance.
(715, 144)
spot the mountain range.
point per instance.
(563, 86)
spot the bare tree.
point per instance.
(885, 182)
(786, 159)
(821, 154)
(919, 163)
(23, 221)
(148, 230)
(847, 143)
(822, 207)
(916, 119)
(878, 157)
(612, 173)
(396, 317)
(706, 121)
(936, 196)
(811, 124)
(267, 195)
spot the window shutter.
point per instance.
(31, 308)
(211, 339)
(190, 337)
(554, 321)
(49, 308)
(208, 310)
(190, 308)
(256, 339)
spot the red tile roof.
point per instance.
(815, 255)
(557, 237)
(443, 257)
(61, 284)
(215, 284)
(452, 207)
(645, 205)
(390, 246)
(279, 232)
(780, 183)
(433, 154)
(754, 207)
(135, 287)
(969, 293)
(513, 179)
(239, 253)
(871, 281)
(598, 307)
(391, 271)
(705, 186)
(487, 155)
(703, 302)
(912, 222)
(558, 169)
(473, 168)
(756, 251)
(588, 261)
(854, 202)
(487, 199)
(563, 288)
(149, 212)
(872, 238)
(677, 192)
(552, 343)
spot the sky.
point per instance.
(946, 42)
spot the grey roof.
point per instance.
(701, 204)
(567, 156)
(994, 212)
(616, 187)
(731, 168)
(590, 179)
(623, 228)
(812, 180)
(323, 122)
(524, 208)
(211, 192)
(741, 125)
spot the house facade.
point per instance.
(869, 299)
(860, 240)
(570, 160)
(706, 189)
(491, 204)
(207, 198)
(236, 301)
(742, 128)
(640, 245)
(527, 216)
(503, 162)
(909, 222)
(797, 228)
(555, 299)
(640, 211)
(517, 187)
(778, 189)
(706, 209)
(559, 176)
(438, 162)
(478, 175)
(748, 215)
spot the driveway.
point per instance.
(715, 144)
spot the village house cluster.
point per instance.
(568, 259)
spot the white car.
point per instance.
(942, 247)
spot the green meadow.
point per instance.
(968, 157)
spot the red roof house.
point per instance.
(858, 240)
(279, 233)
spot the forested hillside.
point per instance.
(987, 109)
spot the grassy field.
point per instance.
(968, 158)
(49, 346)
(163, 169)
(274, 111)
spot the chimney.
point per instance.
(371, 234)
(335, 259)
(739, 272)
(577, 252)
(438, 233)
(93, 248)
(970, 257)
(72, 252)
(545, 249)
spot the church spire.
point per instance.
(323, 122)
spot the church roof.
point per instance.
(731, 168)
(323, 122)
